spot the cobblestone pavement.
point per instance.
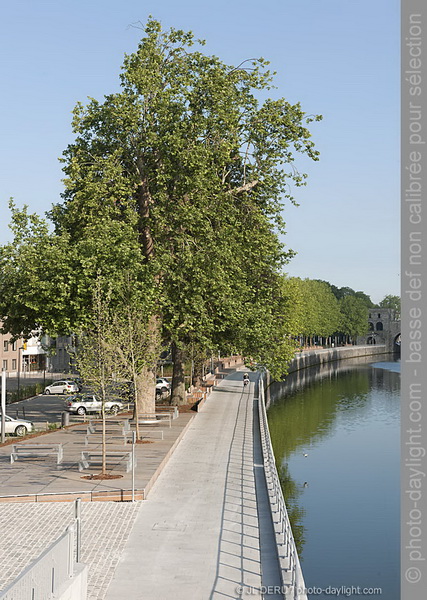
(29, 528)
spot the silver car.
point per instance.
(89, 403)
(64, 386)
(17, 426)
(162, 385)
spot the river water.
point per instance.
(336, 437)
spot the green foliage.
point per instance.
(354, 316)
(315, 309)
(47, 278)
(365, 298)
(188, 156)
(392, 302)
(181, 179)
(340, 293)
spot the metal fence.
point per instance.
(44, 576)
(292, 578)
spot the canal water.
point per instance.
(336, 436)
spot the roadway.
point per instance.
(38, 409)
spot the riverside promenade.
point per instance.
(204, 530)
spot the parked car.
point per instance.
(64, 386)
(162, 385)
(78, 382)
(17, 426)
(90, 403)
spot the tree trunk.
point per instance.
(145, 401)
(145, 398)
(178, 379)
(197, 378)
(146, 394)
(136, 405)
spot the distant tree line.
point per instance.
(324, 314)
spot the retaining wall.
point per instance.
(314, 365)
(313, 358)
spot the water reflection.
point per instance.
(335, 436)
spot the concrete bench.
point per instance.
(172, 410)
(116, 438)
(114, 459)
(110, 427)
(153, 419)
(36, 451)
(124, 423)
(124, 438)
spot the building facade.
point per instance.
(37, 354)
(384, 329)
(10, 353)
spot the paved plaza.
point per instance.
(28, 528)
(42, 479)
(197, 535)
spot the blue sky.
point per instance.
(339, 58)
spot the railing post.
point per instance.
(70, 532)
(77, 516)
(133, 465)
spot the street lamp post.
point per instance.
(3, 405)
(19, 368)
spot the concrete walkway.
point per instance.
(198, 534)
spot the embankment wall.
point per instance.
(313, 358)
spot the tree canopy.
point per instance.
(180, 177)
(392, 302)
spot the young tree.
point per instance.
(133, 342)
(96, 357)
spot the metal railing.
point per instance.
(47, 573)
(292, 579)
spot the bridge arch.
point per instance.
(397, 342)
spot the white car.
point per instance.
(17, 426)
(162, 385)
(64, 386)
(89, 403)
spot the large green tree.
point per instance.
(182, 175)
(188, 154)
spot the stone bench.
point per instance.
(172, 410)
(110, 438)
(117, 423)
(36, 451)
(114, 459)
(110, 427)
(153, 419)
